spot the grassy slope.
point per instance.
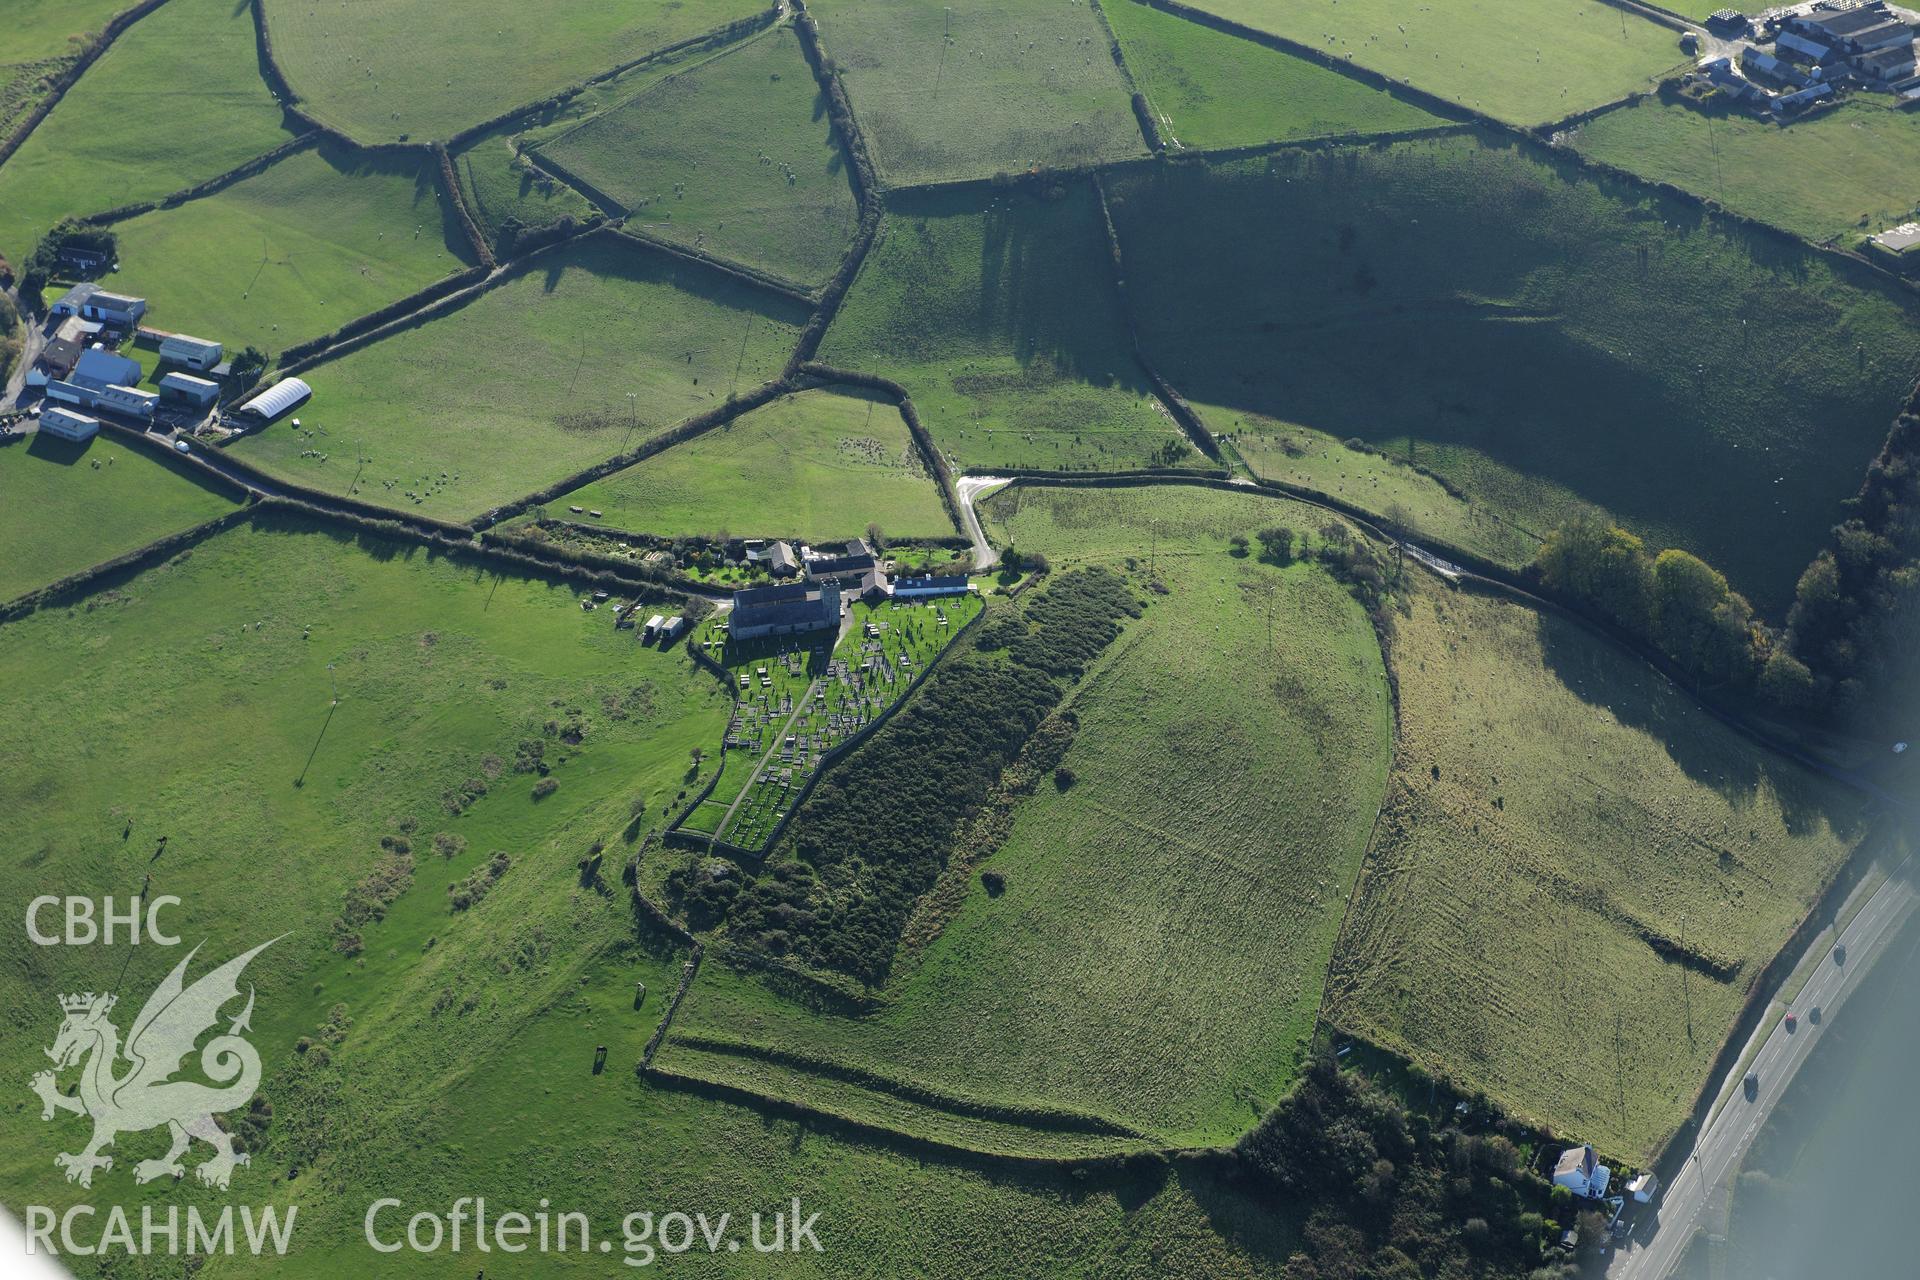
(98, 149)
(1554, 805)
(1158, 954)
(199, 705)
(735, 156)
(1523, 61)
(1407, 498)
(529, 382)
(385, 69)
(964, 92)
(67, 507)
(818, 465)
(497, 188)
(318, 239)
(999, 314)
(46, 28)
(1554, 342)
(1842, 172)
(1211, 89)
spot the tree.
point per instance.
(1276, 544)
(876, 537)
(1699, 622)
(1603, 565)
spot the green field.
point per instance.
(1211, 89)
(382, 70)
(1557, 811)
(97, 150)
(1402, 497)
(69, 506)
(998, 313)
(1546, 341)
(734, 156)
(1836, 175)
(1157, 955)
(322, 237)
(500, 186)
(967, 91)
(575, 357)
(38, 29)
(1522, 61)
(819, 466)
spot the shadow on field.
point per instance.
(52, 449)
(1257, 1223)
(1707, 751)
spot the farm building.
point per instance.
(98, 368)
(56, 360)
(849, 561)
(924, 588)
(1801, 98)
(1900, 245)
(1579, 1170)
(671, 631)
(781, 562)
(874, 586)
(193, 353)
(1801, 47)
(282, 397)
(1756, 63)
(1886, 65)
(90, 302)
(786, 609)
(187, 389)
(67, 424)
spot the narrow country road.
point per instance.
(971, 489)
(1696, 1197)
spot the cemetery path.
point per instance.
(799, 708)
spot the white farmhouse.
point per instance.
(1581, 1172)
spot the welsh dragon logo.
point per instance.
(144, 1097)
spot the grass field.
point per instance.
(1557, 812)
(67, 507)
(38, 29)
(1838, 175)
(1403, 497)
(581, 353)
(999, 314)
(967, 91)
(97, 150)
(1211, 89)
(1522, 61)
(320, 238)
(382, 70)
(1157, 955)
(820, 466)
(499, 186)
(320, 694)
(1555, 342)
(734, 156)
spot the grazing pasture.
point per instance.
(98, 150)
(500, 187)
(999, 314)
(966, 91)
(734, 156)
(1577, 876)
(69, 506)
(1522, 61)
(819, 465)
(1837, 175)
(387, 70)
(1207, 88)
(1155, 958)
(1400, 496)
(37, 29)
(578, 355)
(1556, 342)
(323, 236)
